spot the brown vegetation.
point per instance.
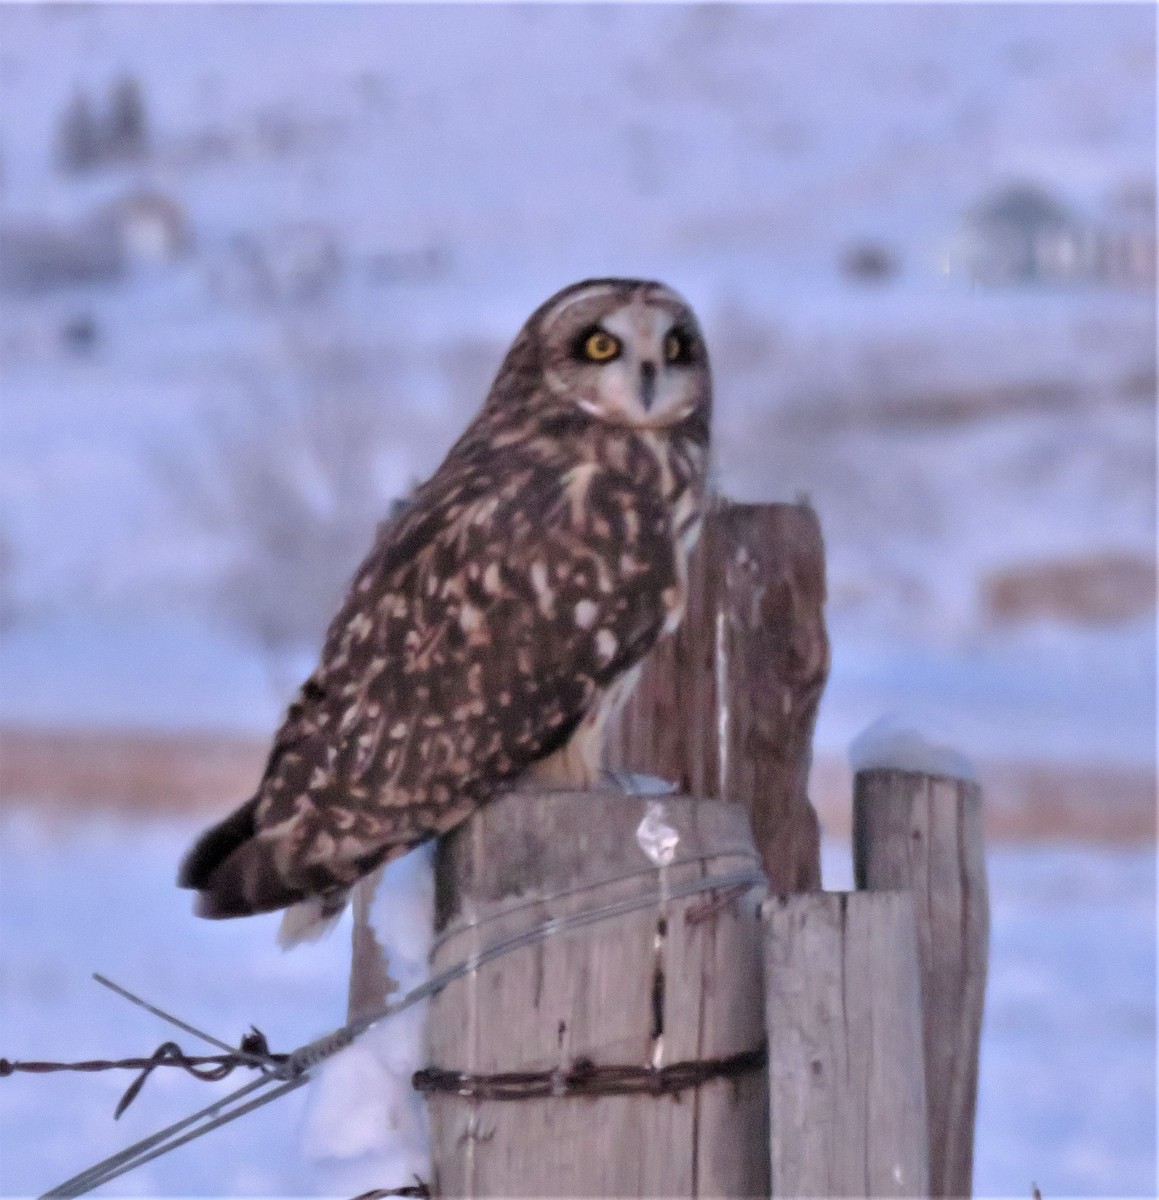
(1094, 589)
(131, 773)
(159, 774)
(1089, 802)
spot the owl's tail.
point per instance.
(203, 859)
(234, 873)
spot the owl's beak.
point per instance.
(647, 384)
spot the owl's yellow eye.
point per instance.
(599, 346)
(677, 348)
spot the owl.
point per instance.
(499, 621)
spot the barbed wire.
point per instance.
(209, 1068)
(284, 1073)
(417, 1189)
(586, 1078)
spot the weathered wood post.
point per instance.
(846, 1078)
(370, 981)
(923, 833)
(622, 1058)
(726, 707)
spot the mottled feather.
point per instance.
(491, 622)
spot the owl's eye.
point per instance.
(677, 347)
(599, 346)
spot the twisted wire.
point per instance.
(282, 1074)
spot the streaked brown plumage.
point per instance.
(497, 621)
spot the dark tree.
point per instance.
(79, 140)
(127, 132)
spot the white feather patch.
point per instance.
(306, 922)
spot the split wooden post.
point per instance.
(726, 707)
(923, 833)
(672, 982)
(846, 1077)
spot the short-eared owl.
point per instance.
(500, 619)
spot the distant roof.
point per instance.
(1022, 205)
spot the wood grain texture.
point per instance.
(370, 981)
(923, 833)
(847, 1090)
(530, 857)
(727, 705)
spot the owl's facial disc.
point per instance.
(641, 364)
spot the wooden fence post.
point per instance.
(370, 981)
(726, 707)
(673, 982)
(847, 1106)
(923, 833)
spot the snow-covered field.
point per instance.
(944, 431)
(463, 162)
(1067, 1092)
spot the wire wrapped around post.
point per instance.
(586, 1078)
(635, 1047)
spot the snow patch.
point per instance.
(364, 1120)
(1066, 1088)
(901, 742)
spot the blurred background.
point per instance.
(258, 264)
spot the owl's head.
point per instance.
(626, 351)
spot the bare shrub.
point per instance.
(126, 127)
(869, 263)
(40, 257)
(295, 265)
(288, 480)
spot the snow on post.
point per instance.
(901, 743)
(917, 826)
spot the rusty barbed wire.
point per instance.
(697, 914)
(209, 1068)
(418, 1189)
(284, 1073)
(586, 1078)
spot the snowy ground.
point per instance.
(1068, 1064)
(944, 431)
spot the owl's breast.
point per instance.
(670, 480)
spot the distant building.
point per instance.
(1023, 235)
(39, 257)
(139, 229)
(1129, 247)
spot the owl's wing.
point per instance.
(476, 636)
